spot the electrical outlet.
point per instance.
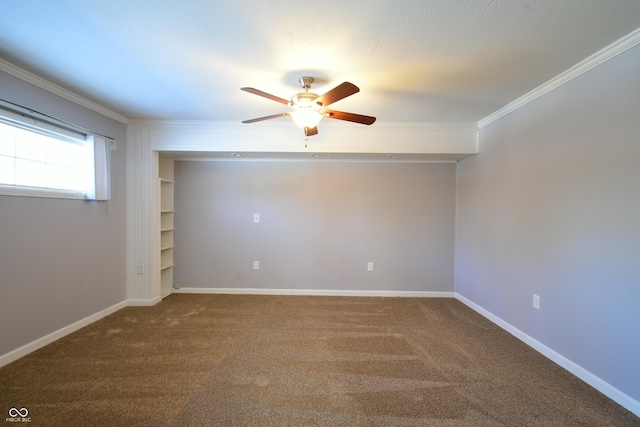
(369, 266)
(536, 301)
(256, 218)
(140, 268)
(256, 265)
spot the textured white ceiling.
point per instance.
(414, 60)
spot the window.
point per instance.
(37, 161)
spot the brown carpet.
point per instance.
(247, 360)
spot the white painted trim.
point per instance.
(331, 125)
(143, 302)
(315, 292)
(615, 48)
(596, 382)
(140, 231)
(455, 230)
(311, 160)
(48, 193)
(60, 91)
(398, 138)
(19, 352)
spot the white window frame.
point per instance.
(98, 160)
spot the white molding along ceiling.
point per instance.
(616, 48)
(58, 90)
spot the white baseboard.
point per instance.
(19, 352)
(315, 292)
(143, 302)
(596, 382)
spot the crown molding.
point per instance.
(603, 55)
(60, 91)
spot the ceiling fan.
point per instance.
(310, 108)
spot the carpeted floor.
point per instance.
(248, 360)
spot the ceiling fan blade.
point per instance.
(311, 131)
(259, 119)
(265, 95)
(337, 93)
(350, 117)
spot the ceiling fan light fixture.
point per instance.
(309, 108)
(306, 117)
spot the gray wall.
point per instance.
(321, 222)
(60, 260)
(551, 206)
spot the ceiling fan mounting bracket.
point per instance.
(306, 82)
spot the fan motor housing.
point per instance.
(305, 100)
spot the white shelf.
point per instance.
(166, 195)
(166, 282)
(166, 239)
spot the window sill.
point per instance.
(10, 190)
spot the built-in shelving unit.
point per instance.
(166, 226)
